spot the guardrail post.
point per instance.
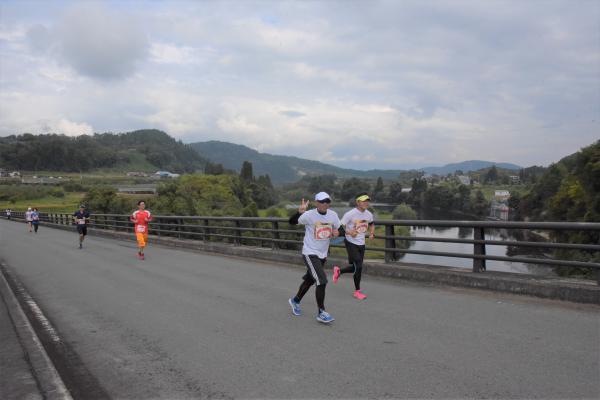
(179, 223)
(478, 249)
(274, 244)
(238, 232)
(390, 244)
(206, 231)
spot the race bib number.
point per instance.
(323, 231)
(361, 225)
(141, 229)
(81, 222)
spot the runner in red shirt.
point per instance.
(140, 218)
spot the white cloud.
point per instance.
(165, 53)
(369, 85)
(70, 128)
(93, 40)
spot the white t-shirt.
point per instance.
(359, 220)
(319, 229)
(28, 216)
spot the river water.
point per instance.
(464, 233)
(467, 233)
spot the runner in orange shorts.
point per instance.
(140, 218)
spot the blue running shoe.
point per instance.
(325, 317)
(295, 307)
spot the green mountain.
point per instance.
(142, 150)
(467, 166)
(285, 169)
(281, 169)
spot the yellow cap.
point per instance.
(364, 197)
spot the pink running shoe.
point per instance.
(336, 273)
(359, 295)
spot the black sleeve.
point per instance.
(294, 218)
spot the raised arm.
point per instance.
(294, 218)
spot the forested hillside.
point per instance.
(281, 169)
(145, 150)
(569, 190)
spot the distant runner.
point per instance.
(140, 218)
(8, 213)
(35, 219)
(356, 223)
(28, 218)
(321, 225)
(81, 218)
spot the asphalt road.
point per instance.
(183, 324)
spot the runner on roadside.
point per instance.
(81, 218)
(28, 218)
(8, 213)
(35, 219)
(321, 224)
(140, 218)
(356, 223)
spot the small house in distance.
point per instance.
(501, 195)
(464, 180)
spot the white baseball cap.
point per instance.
(321, 196)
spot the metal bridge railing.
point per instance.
(278, 234)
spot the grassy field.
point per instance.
(69, 203)
(488, 190)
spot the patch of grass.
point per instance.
(69, 203)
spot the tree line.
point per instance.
(143, 149)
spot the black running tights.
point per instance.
(356, 254)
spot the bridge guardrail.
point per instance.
(268, 232)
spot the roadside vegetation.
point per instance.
(568, 190)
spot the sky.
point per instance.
(357, 84)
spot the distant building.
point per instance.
(42, 180)
(499, 207)
(499, 211)
(464, 179)
(501, 195)
(514, 179)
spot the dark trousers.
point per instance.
(356, 255)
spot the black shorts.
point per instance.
(315, 273)
(82, 229)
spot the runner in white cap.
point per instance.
(321, 225)
(29, 218)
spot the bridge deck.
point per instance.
(184, 324)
